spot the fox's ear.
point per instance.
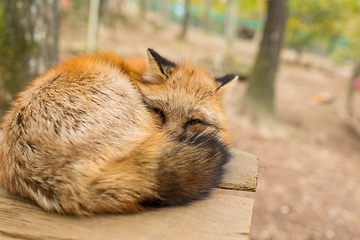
(225, 92)
(158, 69)
(225, 79)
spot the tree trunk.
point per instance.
(229, 22)
(164, 13)
(93, 25)
(208, 4)
(143, 9)
(185, 23)
(257, 107)
(348, 113)
(28, 43)
(351, 90)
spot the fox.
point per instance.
(99, 134)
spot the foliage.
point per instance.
(350, 47)
(313, 21)
(325, 27)
(250, 9)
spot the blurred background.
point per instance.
(296, 104)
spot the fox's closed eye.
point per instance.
(193, 122)
(161, 115)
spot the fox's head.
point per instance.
(183, 97)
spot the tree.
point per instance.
(164, 13)
(143, 9)
(258, 105)
(186, 20)
(351, 89)
(348, 113)
(206, 19)
(229, 22)
(93, 25)
(28, 43)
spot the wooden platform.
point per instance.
(220, 216)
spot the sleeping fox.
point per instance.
(98, 134)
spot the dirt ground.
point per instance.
(308, 184)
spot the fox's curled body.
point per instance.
(97, 134)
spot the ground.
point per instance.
(308, 180)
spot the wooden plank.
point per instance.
(241, 173)
(218, 217)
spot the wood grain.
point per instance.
(218, 217)
(241, 172)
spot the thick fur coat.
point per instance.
(98, 134)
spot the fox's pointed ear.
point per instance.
(158, 69)
(225, 79)
(225, 92)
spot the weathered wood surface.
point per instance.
(241, 172)
(218, 217)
